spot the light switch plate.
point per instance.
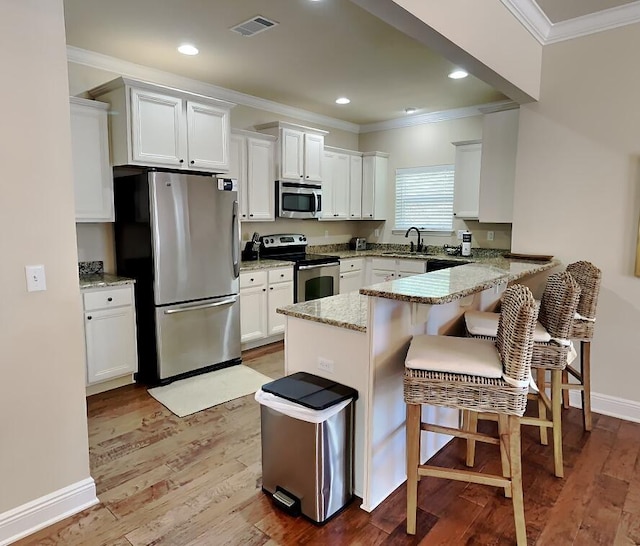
(36, 280)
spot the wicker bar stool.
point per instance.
(477, 375)
(588, 276)
(551, 349)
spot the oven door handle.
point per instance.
(305, 267)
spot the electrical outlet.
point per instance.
(325, 364)
(460, 233)
(376, 232)
(35, 278)
(326, 233)
(490, 235)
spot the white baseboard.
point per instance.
(613, 406)
(47, 510)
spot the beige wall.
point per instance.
(43, 429)
(430, 144)
(578, 185)
(482, 29)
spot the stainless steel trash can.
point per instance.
(307, 444)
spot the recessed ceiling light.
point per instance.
(188, 49)
(343, 100)
(410, 110)
(458, 74)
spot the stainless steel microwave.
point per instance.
(298, 200)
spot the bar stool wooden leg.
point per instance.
(565, 392)
(556, 416)
(503, 434)
(585, 362)
(542, 408)
(471, 425)
(414, 412)
(516, 479)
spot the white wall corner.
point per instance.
(629, 410)
(47, 510)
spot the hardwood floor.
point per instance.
(196, 481)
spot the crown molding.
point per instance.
(545, 32)
(132, 70)
(434, 117)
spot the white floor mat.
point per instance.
(200, 392)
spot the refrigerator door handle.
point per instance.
(228, 301)
(235, 243)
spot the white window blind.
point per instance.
(424, 198)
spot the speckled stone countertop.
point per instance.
(92, 275)
(254, 265)
(351, 310)
(100, 280)
(343, 310)
(448, 285)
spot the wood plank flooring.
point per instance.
(197, 481)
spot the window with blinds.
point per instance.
(424, 198)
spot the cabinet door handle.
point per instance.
(109, 299)
(182, 161)
(89, 317)
(271, 288)
(264, 289)
(251, 215)
(192, 162)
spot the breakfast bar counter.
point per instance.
(361, 340)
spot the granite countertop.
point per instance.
(348, 310)
(100, 280)
(448, 285)
(254, 265)
(437, 287)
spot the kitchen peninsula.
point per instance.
(361, 340)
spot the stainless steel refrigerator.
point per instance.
(177, 235)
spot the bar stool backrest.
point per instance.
(559, 304)
(588, 276)
(518, 316)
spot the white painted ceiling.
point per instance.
(318, 52)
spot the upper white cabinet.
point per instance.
(467, 179)
(498, 166)
(375, 167)
(335, 185)
(485, 170)
(252, 163)
(92, 176)
(299, 154)
(355, 186)
(159, 126)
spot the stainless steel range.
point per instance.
(315, 275)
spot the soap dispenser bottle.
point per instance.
(466, 243)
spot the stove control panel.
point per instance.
(283, 240)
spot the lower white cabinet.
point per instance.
(261, 293)
(110, 333)
(352, 275)
(388, 269)
(92, 177)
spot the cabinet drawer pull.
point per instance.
(192, 162)
(109, 298)
(271, 288)
(182, 161)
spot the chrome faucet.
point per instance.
(419, 246)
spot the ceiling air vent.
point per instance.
(254, 26)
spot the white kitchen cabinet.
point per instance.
(261, 293)
(110, 333)
(252, 163)
(498, 166)
(375, 167)
(388, 269)
(352, 275)
(158, 126)
(92, 175)
(299, 151)
(467, 179)
(335, 186)
(355, 186)
(253, 305)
